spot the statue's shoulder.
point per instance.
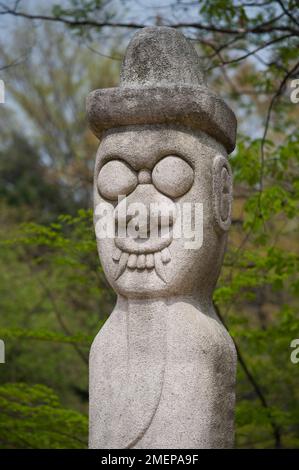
(111, 333)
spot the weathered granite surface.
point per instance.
(162, 368)
(162, 82)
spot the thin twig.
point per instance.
(268, 117)
(255, 385)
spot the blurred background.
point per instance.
(53, 295)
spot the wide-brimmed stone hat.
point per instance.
(162, 82)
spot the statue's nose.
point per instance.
(151, 210)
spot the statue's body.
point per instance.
(162, 368)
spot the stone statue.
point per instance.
(162, 368)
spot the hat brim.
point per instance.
(194, 107)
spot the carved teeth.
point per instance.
(165, 255)
(132, 261)
(141, 261)
(149, 261)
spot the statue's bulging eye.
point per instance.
(173, 176)
(115, 179)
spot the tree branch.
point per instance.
(250, 53)
(287, 12)
(255, 385)
(266, 27)
(61, 321)
(268, 117)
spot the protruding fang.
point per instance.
(116, 254)
(165, 255)
(159, 267)
(121, 265)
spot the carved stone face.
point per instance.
(171, 168)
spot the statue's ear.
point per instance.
(222, 192)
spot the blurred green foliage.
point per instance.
(32, 417)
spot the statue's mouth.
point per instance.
(148, 261)
(144, 245)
